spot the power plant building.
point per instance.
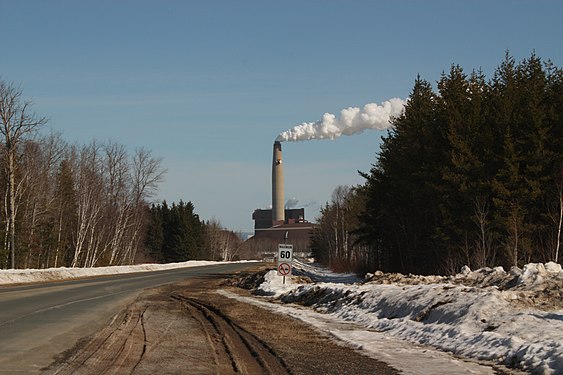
(280, 224)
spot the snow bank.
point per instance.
(512, 318)
(53, 274)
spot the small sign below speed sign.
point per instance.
(285, 259)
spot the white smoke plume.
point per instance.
(352, 120)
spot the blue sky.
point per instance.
(208, 85)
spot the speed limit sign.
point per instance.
(285, 259)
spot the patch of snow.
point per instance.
(274, 286)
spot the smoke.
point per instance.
(291, 203)
(310, 204)
(352, 120)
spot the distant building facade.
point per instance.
(267, 234)
(263, 218)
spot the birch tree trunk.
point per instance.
(12, 206)
(16, 123)
(559, 226)
(90, 189)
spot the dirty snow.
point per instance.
(511, 319)
(23, 276)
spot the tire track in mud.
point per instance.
(234, 346)
(148, 336)
(121, 342)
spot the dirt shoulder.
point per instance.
(188, 328)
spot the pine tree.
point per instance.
(175, 233)
(401, 206)
(524, 184)
(465, 185)
(154, 235)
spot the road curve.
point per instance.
(40, 321)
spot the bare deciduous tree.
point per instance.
(36, 194)
(334, 241)
(147, 173)
(17, 122)
(483, 248)
(90, 191)
(119, 205)
(221, 243)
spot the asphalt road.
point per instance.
(40, 321)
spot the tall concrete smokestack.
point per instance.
(278, 209)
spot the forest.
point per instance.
(470, 174)
(72, 205)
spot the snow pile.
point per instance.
(532, 275)
(273, 285)
(512, 318)
(317, 273)
(53, 274)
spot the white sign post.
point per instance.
(285, 260)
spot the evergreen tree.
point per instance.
(523, 181)
(154, 237)
(175, 233)
(465, 184)
(401, 209)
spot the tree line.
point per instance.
(89, 205)
(175, 233)
(470, 174)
